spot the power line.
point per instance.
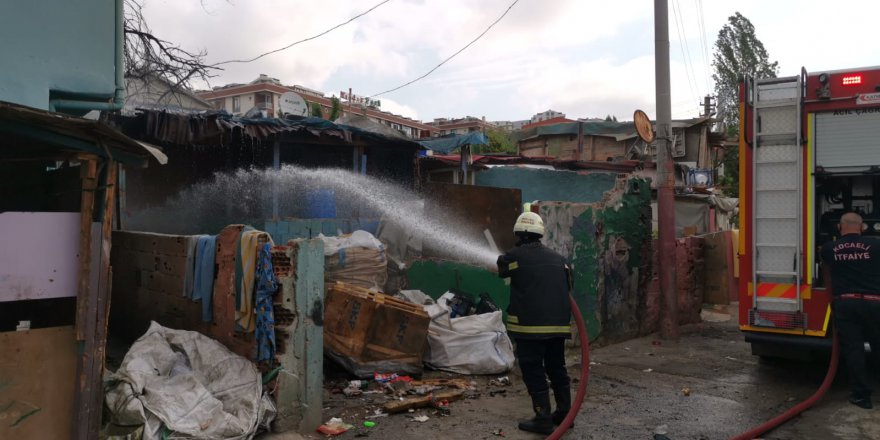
(309, 38)
(453, 55)
(704, 42)
(685, 55)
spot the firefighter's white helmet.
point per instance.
(529, 222)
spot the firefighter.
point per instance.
(538, 320)
(854, 263)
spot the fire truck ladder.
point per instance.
(776, 213)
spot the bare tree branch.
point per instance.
(149, 56)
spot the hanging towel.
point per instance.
(245, 314)
(267, 285)
(190, 265)
(203, 282)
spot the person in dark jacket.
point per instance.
(854, 266)
(538, 319)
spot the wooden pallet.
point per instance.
(369, 326)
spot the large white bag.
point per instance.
(476, 344)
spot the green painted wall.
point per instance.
(541, 184)
(436, 277)
(57, 45)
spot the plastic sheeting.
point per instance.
(187, 384)
(448, 144)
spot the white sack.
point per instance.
(189, 383)
(476, 344)
(357, 239)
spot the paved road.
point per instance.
(637, 388)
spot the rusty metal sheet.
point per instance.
(473, 209)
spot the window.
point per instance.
(236, 104)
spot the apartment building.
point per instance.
(464, 125)
(265, 92)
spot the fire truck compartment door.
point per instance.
(848, 140)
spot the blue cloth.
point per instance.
(266, 287)
(203, 278)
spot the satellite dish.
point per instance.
(643, 126)
(293, 104)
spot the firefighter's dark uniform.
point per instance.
(538, 318)
(854, 261)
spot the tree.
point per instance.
(610, 118)
(147, 55)
(335, 108)
(316, 110)
(738, 52)
(500, 141)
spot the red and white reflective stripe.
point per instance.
(774, 290)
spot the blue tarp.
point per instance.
(447, 144)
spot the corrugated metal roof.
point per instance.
(56, 131)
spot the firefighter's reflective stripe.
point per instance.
(781, 290)
(538, 329)
(513, 325)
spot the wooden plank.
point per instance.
(38, 383)
(399, 406)
(102, 303)
(88, 173)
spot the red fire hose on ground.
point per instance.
(748, 435)
(801, 407)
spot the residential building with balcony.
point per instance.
(468, 124)
(265, 92)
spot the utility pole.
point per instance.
(708, 107)
(665, 175)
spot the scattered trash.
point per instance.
(354, 388)
(411, 403)
(369, 424)
(376, 414)
(686, 391)
(790, 399)
(502, 381)
(498, 432)
(494, 393)
(392, 377)
(647, 370)
(656, 342)
(421, 419)
(627, 348)
(661, 430)
(334, 426)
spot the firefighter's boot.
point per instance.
(543, 422)
(563, 404)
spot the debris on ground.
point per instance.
(502, 381)
(421, 419)
(334, 426)
(686, 391)
(499, 432)
(398, 406)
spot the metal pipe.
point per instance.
(665, 174)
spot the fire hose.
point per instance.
(801, 407)
(585, 374)
(748, 435)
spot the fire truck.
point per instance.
(809, 152)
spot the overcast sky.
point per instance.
(584, 58)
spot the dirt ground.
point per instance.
(707, 385)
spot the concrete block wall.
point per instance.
(148, 284)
